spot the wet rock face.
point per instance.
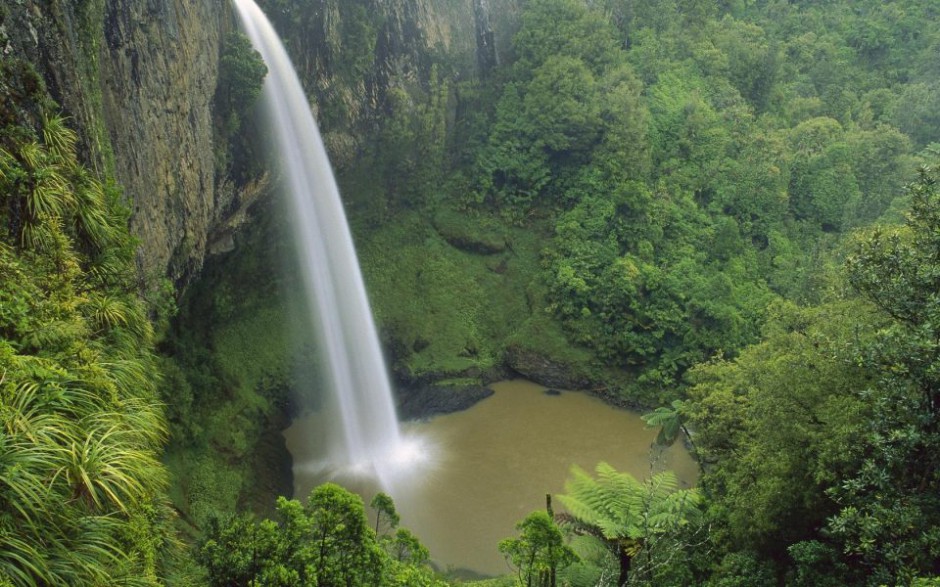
(351, 53)
(419, 402)
(136, 79)
(159, 68)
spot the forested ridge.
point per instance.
(724, 212)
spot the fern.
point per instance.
(621, 513)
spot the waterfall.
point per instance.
(368, 439)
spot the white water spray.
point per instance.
(369, 441)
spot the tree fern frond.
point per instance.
(589, 547)
(622, 509)
(662, 484)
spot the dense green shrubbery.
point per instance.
(821, 441)
(241, 74)
(695, 164)
(82, 489)
(326, 541)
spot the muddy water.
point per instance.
(489, 466)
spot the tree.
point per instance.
(383, 505)
(671, 421)
(561, 107)
(565, 28)
(776, 426)
(325, 543)
(628, 516)
(539, 551)
(241, 74)
(890, 505)
(824, 437)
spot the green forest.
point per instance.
(724, 215)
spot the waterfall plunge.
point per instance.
(368, 440)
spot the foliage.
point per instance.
(888, 503)
(671, 421)
(539, 552)
(635, 521)
(82, 488)
(384, 506)
(241, 75)
(657, 178)
(325, 542)
(823, 437)
(779, 417)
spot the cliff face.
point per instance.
(350, 53)
(137, 78)
(158, 70)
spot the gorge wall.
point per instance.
(137, 79)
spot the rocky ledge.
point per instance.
(424, 401)
(536, 365)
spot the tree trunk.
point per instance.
(625, 561)
(551, 515)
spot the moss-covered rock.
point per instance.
(470, 232)
(540, 351)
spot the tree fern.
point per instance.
(618, 511)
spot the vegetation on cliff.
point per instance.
(82, 488)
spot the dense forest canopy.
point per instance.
(725, 210)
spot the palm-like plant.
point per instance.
(671, 420)
(91, 218)
(69, 470)
(106, 312)
(80, 430)
(59, 139)
(624, 514)
(48, 191)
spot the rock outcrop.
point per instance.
(137, 78)
(159, 65)
(426, 401)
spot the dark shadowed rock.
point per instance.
(423, 401)
(545, 370)
(473, 235)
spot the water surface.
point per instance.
(491, 465)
